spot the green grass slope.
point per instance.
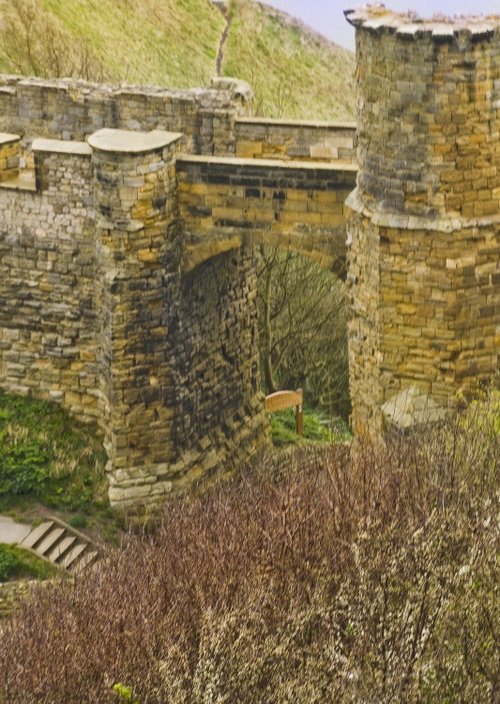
(46, 457)
(295, 73)
(172, 42)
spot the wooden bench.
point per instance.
(288, 399)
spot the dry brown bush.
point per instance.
(372, 579)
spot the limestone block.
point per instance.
(411, 408)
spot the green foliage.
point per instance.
(8, 563)
(16, 563)
(46, 455)
(303, 330)
(125, 693)
(317, 427)
(78, 520)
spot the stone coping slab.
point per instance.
(60, 146)
(378, 18)
(269, 163)
(315, 124)
(6, 138)
(9, 83)
(130, 142)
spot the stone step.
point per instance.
(62, 545)
(36, 534)
(61, 549)
(49, 540)
(86, 559)
(72, 555)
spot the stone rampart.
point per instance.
(264, 138)
(127, 280)
(72, 110)
(48, 313)
(225, 203)
(424, 229)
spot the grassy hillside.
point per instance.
(295, 73)
(148, 42)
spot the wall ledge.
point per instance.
(398, 221)
(129, 142)
(267, 163)
(310, 124)
(59, 146)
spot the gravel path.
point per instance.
(12, 532)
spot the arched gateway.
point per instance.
(127, 281)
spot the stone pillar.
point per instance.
(423, 235)
(137, 252)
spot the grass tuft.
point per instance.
(16, 563)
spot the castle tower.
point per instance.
(423, 232)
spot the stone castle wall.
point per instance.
(127, 281)
(263, 138)
(424, 230)
(72, 110)
(48, 310)
(225, 203)
(95, 314)
(102, 307)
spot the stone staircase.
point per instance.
(55, 541)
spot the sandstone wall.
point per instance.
(424, 230)
(137, 249)
(9, 157)
(219, 409)
(48, 316)
(263, 138)
(72, 110)
(94, 314)
(228, 202)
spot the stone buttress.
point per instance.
(136, 209)
(177, 354)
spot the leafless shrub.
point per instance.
(33, 44)
(373, 578)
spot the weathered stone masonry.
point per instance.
(48, 315)
(264, 138)
(227, 202)
(424, 242)
(127, 280)
(72, 110)
(94, 313)
(94, 310)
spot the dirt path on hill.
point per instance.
(220, 54)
